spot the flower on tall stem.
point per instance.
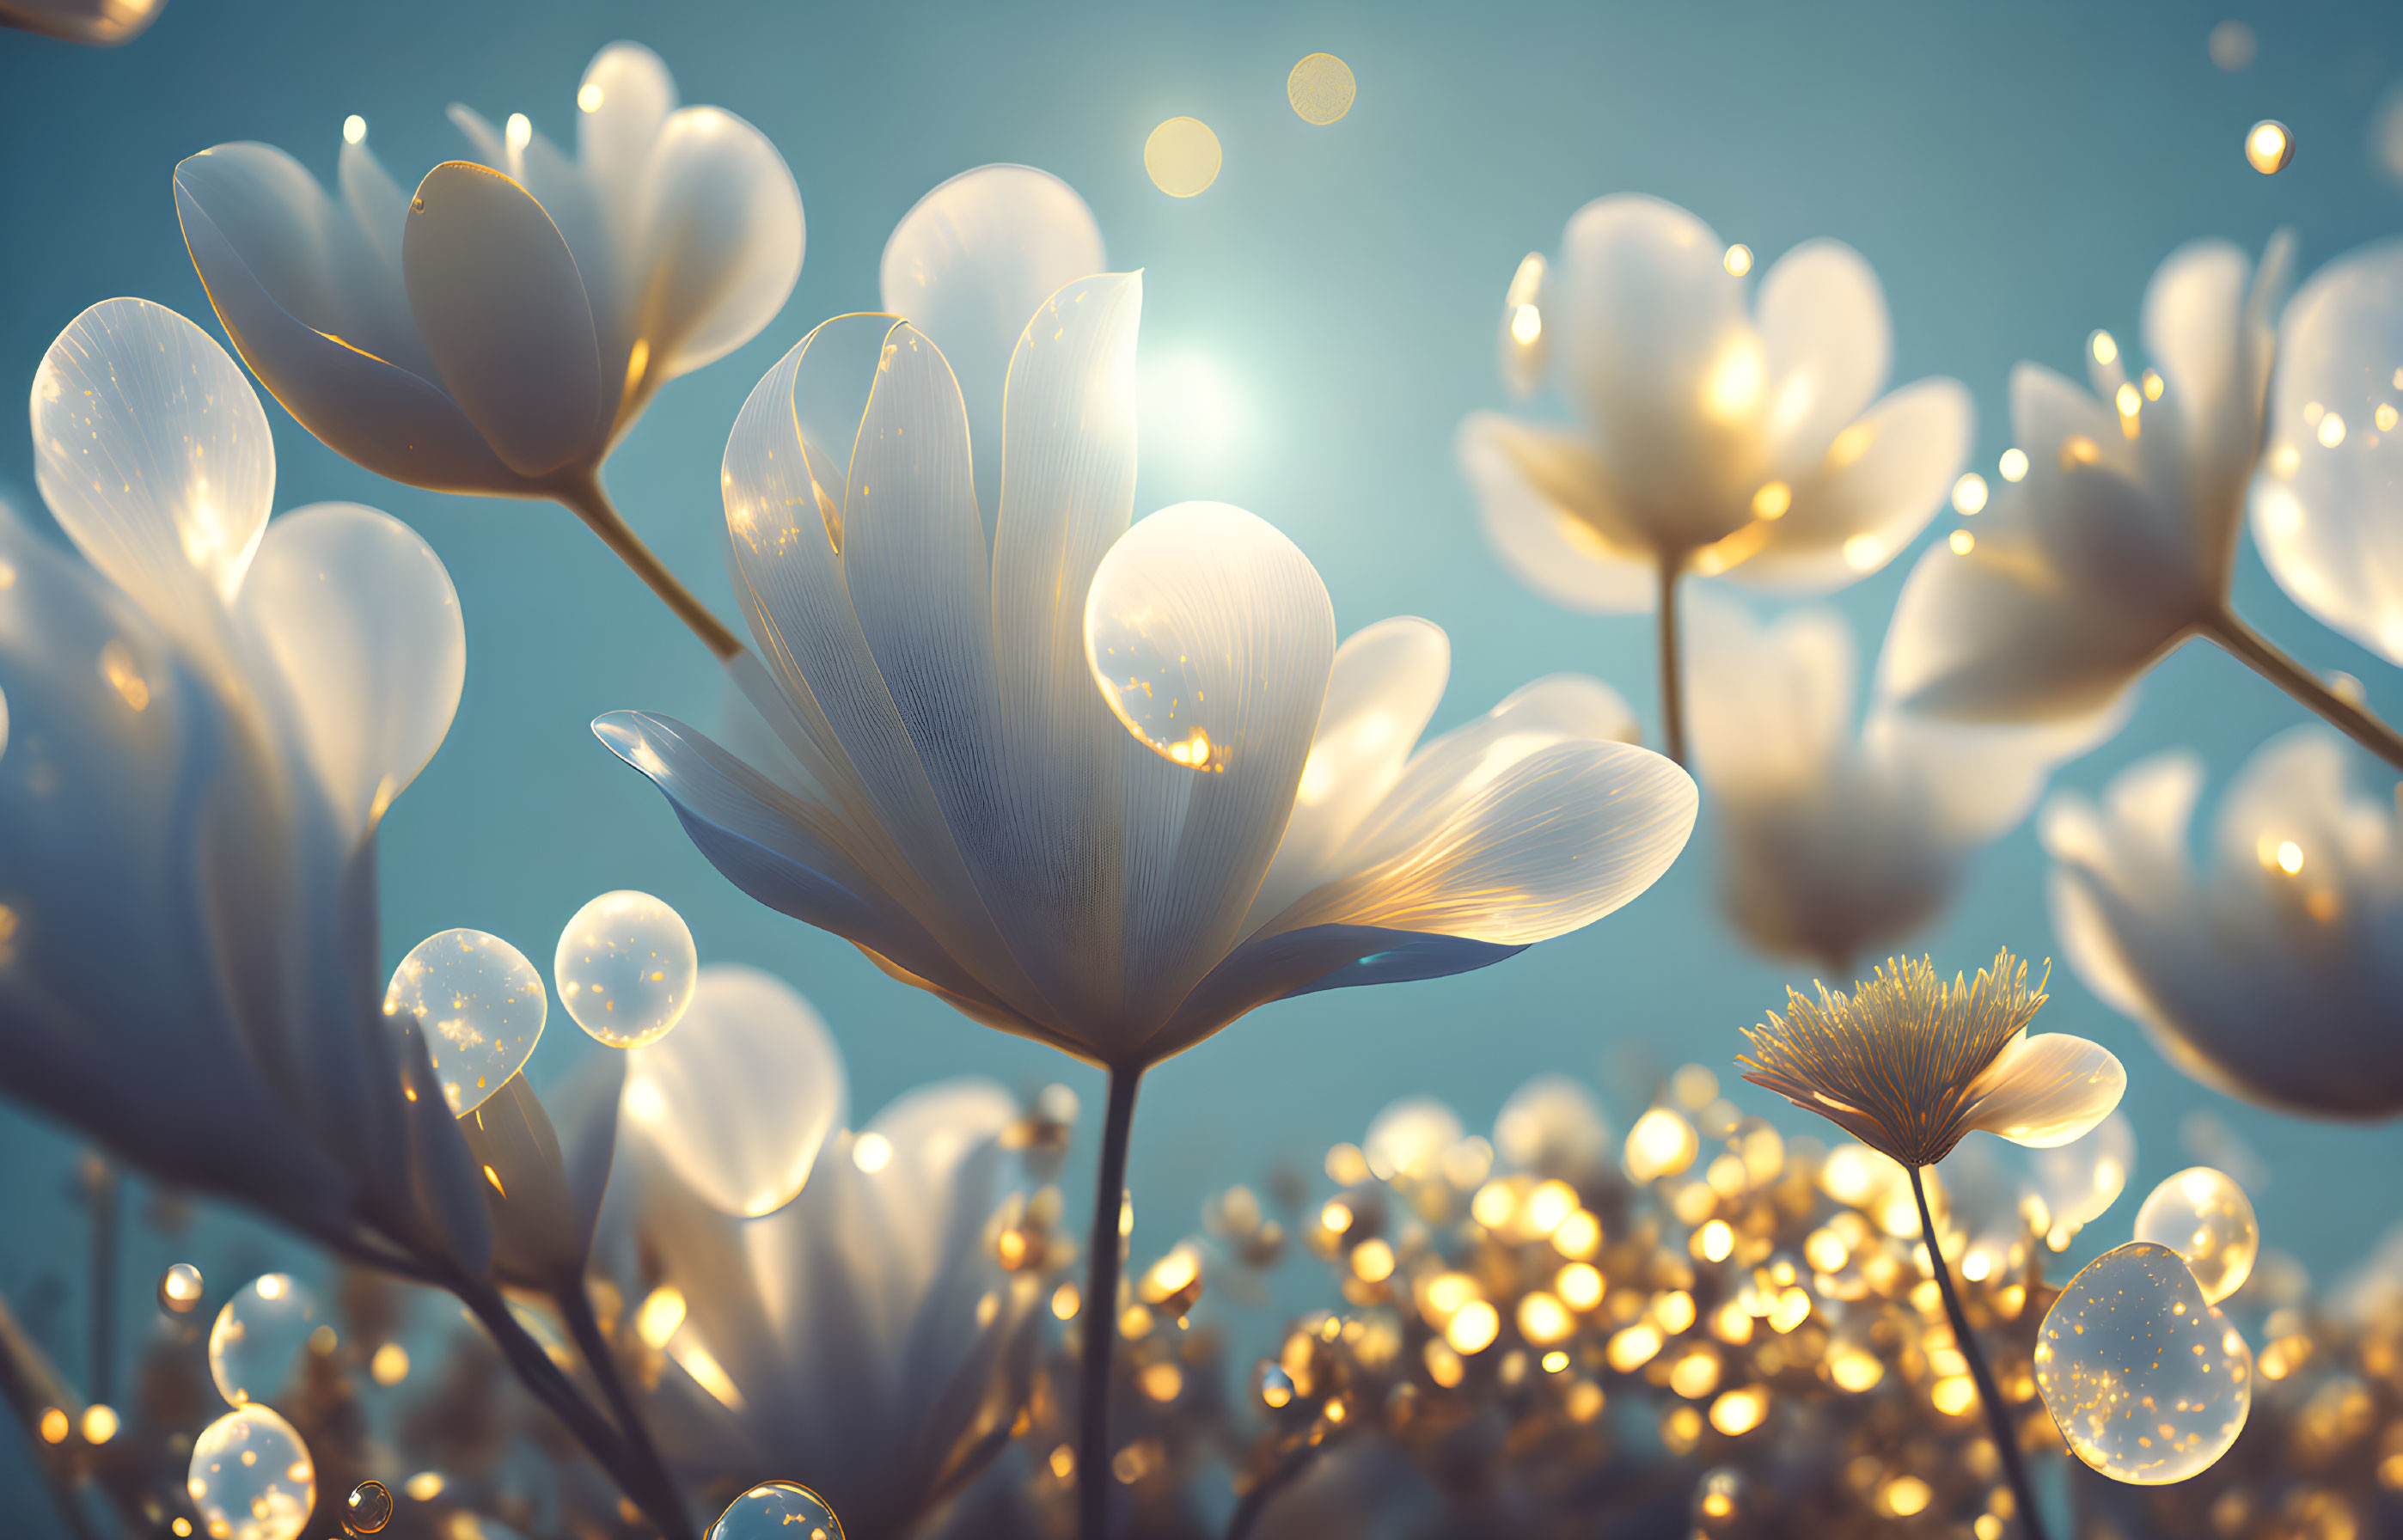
(1909, 1067)
(957, 796)
(1710, 438)
(208, 722)
(2118, 541)
(500, 329)
(1834, 839)
(2272, 975)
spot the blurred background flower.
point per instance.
(105, 23)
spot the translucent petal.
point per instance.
(1542, 496)
(2326, 515)
(363, 624)
(744, 1094)
(1850, 520)
(2047, 1090)
(722, 226)
(2080, 1180)
(1771, 705)
(973, 259)
(154, 455)
(624, 97)
(539, 1242)
(1276, 964)
(2192, 328)
(1822, 325)
(503, 312)
(247, 221)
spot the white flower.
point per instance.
(2272, 977)
(104, 22)
(864, 1339)
(956, 798)
(2119, 541)
(1707, 439)
(2326, 515)
(496, 332)
(206, 730)
(1836, 842)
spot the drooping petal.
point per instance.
(1386, 683)
(362, 620)
(973, 260)
(2047, 1090)
(1822, 325)
(744, 1094)
(503, 312)
(154, 455)
(260, 250)
(1546, 508)
(2326, 515)
(722, 235)
(1208, 631)
(1860, 504)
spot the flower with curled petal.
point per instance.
(104, 23)
(2271, 976)
(499, 330)
(1709, 439)
(1909, 1065)
(1836, 840)
(2326, 515)
(865, 1338)
(209, 721)
(950, 790)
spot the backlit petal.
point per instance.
(2047, 1090)
(1547, 510)
(722, 237)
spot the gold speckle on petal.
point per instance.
(1321, 88)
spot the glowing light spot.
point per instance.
(1738, 260)
(2105, 350)
(660, 1315)
(2154, 386)
(1773, 500)
(425, 1486)
(390, 1364)
(2384, 417)
(2269, 146)
(355, 130)
(99, 1423)
(2129, 402)
(2290, 857)
(1543, 1320)
(1970, 495)
(1473, 1327)
(1955, 1395)
(2013, 465)
(1065, 1301)
(1864, 551)
(180, 1289)
(1182, 157)
(117, 666)
(1321, 88)
(1732, 388)
(1739, 1411)
(1905, 1495)
(1962, 542)
(1661, 1144)
(519, 131)
(1714, 1242)
(1372, 1261)
(2331, 431)
(1579, 1286)
(588, 97)
(55, 1426)
(1634, 1348)
(1526, 324)
(871, 1152)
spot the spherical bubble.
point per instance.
(260, 1340)
(625, 969)
(2145, 1378)
(2269, 146)
(367, 1510)
(2078, 1181)
(777, 1510)
(480, 1006)
(251, 1477)
(180, 1289)
(2204, 1216)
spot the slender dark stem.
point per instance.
(1673, 681)
(105, 1187)
(575, 1308)
(32, 1385)
(1256, 1502)
(580, 494)
(1998, 1417)
(2258, 652)
(544, 1381)
(1101, 1332)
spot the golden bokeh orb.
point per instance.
(2269, 146)
(1183, 157)
(1321, 88)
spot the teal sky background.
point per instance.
(2014, 174)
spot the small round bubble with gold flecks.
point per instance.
(626, 968)
(2204, 1216)
(2147, 1381)
(480, 1006)
(367, 1510)
(777, 1510)
(251, 1477)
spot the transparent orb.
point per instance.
(2204, 1216)
(367, 1510)
(2145, 1378)
(260, 1342)
(251, 1477)
(479, 1004)
(180, 1289)
(625, 969)
(777, 1510)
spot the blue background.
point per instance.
(2013, 172)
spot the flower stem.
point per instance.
(1673, 684)
(575, 1308)
(1998, 1417)
(104, 1185)
(581, 494)
(2260, 654)
(1256, 1501)
(1102, 1312)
